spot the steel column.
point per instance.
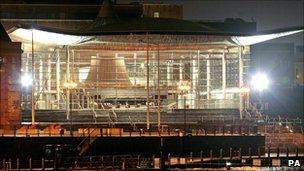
(58, 79)
(224, 74)
(208, 78)
(241, 106)
(158, 90)
(33, 82)
(148, 84)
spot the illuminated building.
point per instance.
(127, 66)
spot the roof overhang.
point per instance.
(50, 36)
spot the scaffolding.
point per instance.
(116, 79)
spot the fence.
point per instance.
(204, 130)
(209, 158)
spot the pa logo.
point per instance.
(294, 163)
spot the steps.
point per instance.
(86, 143)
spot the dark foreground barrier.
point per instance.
(137, 162)
(34, 147)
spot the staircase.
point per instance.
(86, 143)
(132, 124)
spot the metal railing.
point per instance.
(118, 132)
(237, 157)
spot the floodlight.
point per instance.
(26, 80)
(260, 82)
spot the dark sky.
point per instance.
(269, 14)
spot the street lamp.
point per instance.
(260, 82)
(184, 87)
(26, 80)
(69, 86)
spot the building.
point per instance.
(148, 67)
(10, 90)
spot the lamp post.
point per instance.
(69, 86)
(260, 83)
(184, 88)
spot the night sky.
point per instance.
(269, 14)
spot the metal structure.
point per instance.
(136, 63)
(145, 77)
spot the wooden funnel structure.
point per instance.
(108, 72)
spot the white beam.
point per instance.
(224, 74)
(208, 78)
(241, 106)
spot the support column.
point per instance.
(169, 73)
(198, 87)
(208, 79)
(33, 82)
(97, 79)
(73, 66)
(58, 79)
(27, 71)
(158, 89)
(241, 105)
(154, 86)
(135, 68)
(135, 75)
(224, 75)
(67, 64)
(148, 85)
(68, 81)
(40, 80)
(49, 82)
(180, 98)
(194, 82)
(181, 70)
(116, 77)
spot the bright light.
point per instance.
(26, 80)
(183, 86)
(250, 40)
(228, 163)
(70, 85)
(259, 82)
(49, 38)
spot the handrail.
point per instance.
(85, 139)
(132, 123)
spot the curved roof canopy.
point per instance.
(109, 29)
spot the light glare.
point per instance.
(70, 85)
(26, 80)
(260, 82)
(250, 40)
(48, 38)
